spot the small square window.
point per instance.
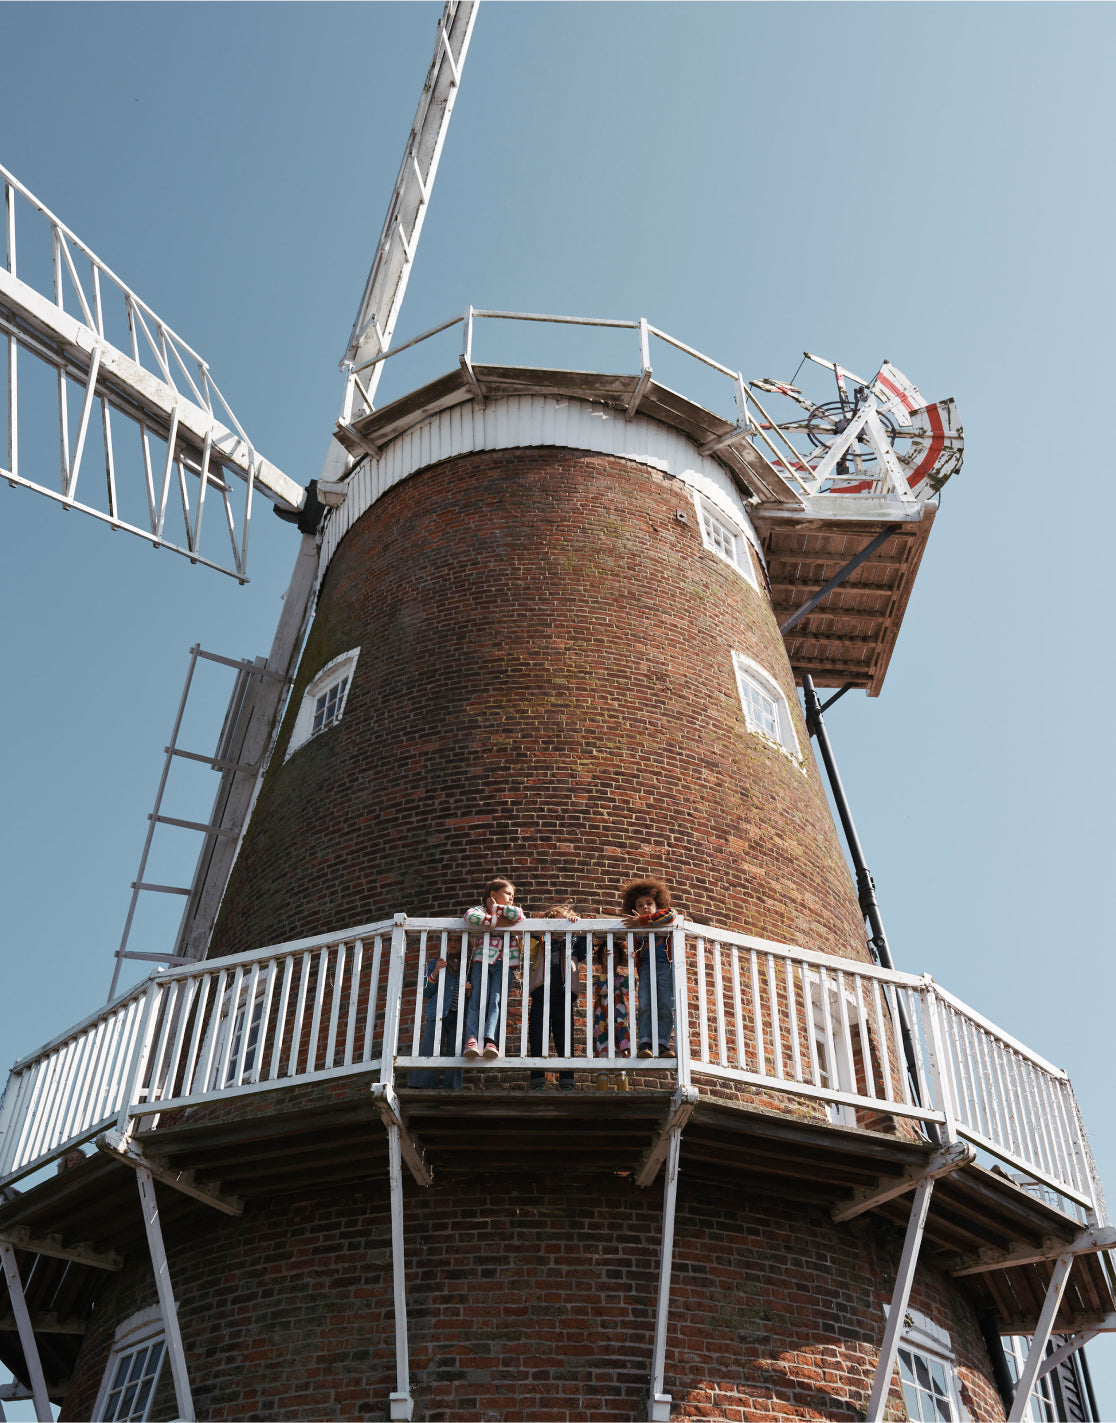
(765, 708)
(323, 701)
(725, 539)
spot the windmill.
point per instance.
(754, 471)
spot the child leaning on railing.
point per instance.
(646, 905)
(499, 911)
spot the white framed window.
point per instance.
(323, 701)
(928, 1373)
(722, 536)
(132, 1373)
(766, 712)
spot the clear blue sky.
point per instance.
(927, 183)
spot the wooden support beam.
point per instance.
(1077, 1324)
(176, 1355)
(44, 1324)
(1041, 1337)
(122, 1148)
(866, 1198)
(26, 1335)
(682, 1105)
(82, 1253)
(838, 560)
(658, 1405)
(387, 1104)
(1097, 1237)
(1071, 1346)
(16, 1392)
(783, 585)
(804, 633)
(900, 1298)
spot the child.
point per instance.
(435, 1043)
(646, 904)
(559, 1028)
(498, 911)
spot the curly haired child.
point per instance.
(646, 905)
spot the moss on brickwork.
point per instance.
(504, 717)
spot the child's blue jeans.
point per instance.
(492, 1009)
(664, 997)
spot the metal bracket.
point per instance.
(82, 1254)
(387, 1104)
(866, 1198)
(682, 1105)
(122, 1148)
(1089, 1242)
(835, 582)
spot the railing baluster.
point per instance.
(865, 1037)
(703, 1005)
(354, 996)
(846, 1035)
(773, 1004)
(885, 1040)
(738, 1009)
(265, 1023)
(757, 1013)
(281, 1018)
(792, 1016)
(374, 993)
(335, 1005)
(420, 995)
(891, 995)
(719, 996)
(316, 1021)
(811, 1027)
(827, 1031)
(299, 1014)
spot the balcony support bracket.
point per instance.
(149, 1204)
(122, 1148)
(682, 1105)
(1089, 1242)
(900, 1298)
(866, 1198)
(387, 1104)
(658, 1405)
(21, 1238)
(26, 1334)
(1036, 1354)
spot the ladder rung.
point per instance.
(161, 888)
(212, 761)
(195, 825)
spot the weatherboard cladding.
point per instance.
(525, 421)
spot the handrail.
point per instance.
(759, 1015)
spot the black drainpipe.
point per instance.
(865, 888)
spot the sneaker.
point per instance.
(471, 1049)
(491, 1050)
(536, 1086)
(645, 1050)
(565, 1086)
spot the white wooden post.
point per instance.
(167, 1307)
(26, 1335)
(939, 1063)
(1041, 1337)
(681, 1008)
(900, 1298)
(402, 1405)
(393, 1000)
(140, 1050)
(658, 1405)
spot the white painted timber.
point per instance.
(531, 421)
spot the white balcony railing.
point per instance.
(765, 1018)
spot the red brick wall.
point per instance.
(509, 607)
(533, 1298)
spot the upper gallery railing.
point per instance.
(769, 1017)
